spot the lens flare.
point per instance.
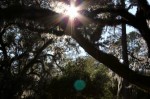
(79, 85)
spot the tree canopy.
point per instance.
(30, 19)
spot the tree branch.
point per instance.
(113, 63)
(3, 45)
(32, 62)
(25, 12)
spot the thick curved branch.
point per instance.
(26, 12)
(50, 18)
(45, 16)
(113, 63)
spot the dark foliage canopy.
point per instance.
(37, 17)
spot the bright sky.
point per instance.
(129, 28)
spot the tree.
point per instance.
(136, 59)
(114, 63)
(102, 13)
(27, 59)
(84, 71)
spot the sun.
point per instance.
(72, 12)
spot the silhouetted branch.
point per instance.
(33, 61)
(113, 63)
(26, 12)
(3, 45)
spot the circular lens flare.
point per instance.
(79, 85)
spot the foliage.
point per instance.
(27, 58)
(95, 76)
(25, 51)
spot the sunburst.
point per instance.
(71, 16)
(72, 12)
